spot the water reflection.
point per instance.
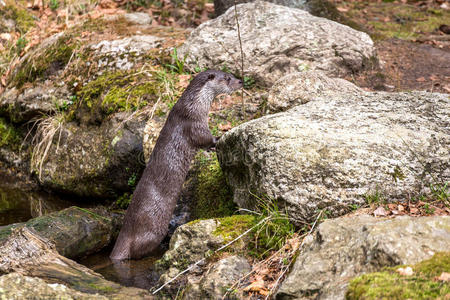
(19, 203)
(136, 273)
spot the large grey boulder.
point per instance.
(319, 8)
(221, 6)
(302, 87)
(347, 247)
(276, 40)
(336, 150)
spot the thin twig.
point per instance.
(203, 259)
(242, 58)
(289, 265)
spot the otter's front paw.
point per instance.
(212, 148)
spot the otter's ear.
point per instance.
(211, 76)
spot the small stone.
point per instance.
(408, 271)
(139, 18)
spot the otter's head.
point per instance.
(216, 82)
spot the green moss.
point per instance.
(212, 194)
(124, 200)
(233, 226)
(273, 228)
(121, 91)
(45, 64)
(388, 284)
(9, 136)
(13, 10)
(104, 289)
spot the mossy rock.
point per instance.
(9, 135)
(233, 226)
(213, 196)
(75, 231)
(389, 284)
(47, 60)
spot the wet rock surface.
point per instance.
(276, 41)
(336, 150)
(74, 231)
(27, 253)
(17, 286)
(349, 246)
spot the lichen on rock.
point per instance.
(331, 152)
(276, 41)
(346, 247)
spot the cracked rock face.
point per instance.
(219, 277)
(276, 40)
(338, 149)
(346, 247)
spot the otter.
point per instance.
(186, 130)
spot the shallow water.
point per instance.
(19, 204)
(136, 273)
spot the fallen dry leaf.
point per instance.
(392, 206)
(434, 77)
(225, 127)
(413, 210)
(183, 80)
(342, 9)
(408, 271)
(257, 286)
(380, 212)
(107, 4)
(401, 208)
(420, 79)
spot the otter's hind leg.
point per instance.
(146, 243)
(122, 248)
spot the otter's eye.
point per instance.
(211, 76)
(228, 79)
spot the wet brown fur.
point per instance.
(185, 131)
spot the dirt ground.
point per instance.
(413, 52)
(406, 66)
